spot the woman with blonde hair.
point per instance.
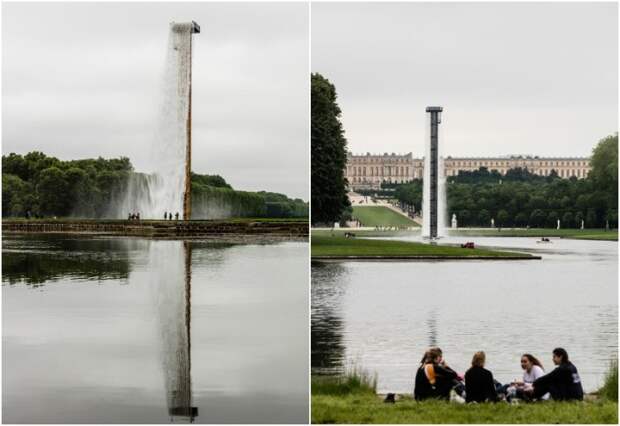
(479, 383)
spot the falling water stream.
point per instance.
(162, 191)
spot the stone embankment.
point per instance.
(161, 229)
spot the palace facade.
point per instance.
(370, 170)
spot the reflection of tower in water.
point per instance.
(431, 324)
(180, 395)
(171, 265)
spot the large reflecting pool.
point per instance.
(112, 330)
(382, 316)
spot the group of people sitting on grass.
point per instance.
(434, 379)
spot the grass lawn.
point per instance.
(340, 246)
(380, 216)
(368, 408)
(584, 234)
(351, 398)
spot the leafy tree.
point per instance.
(612, 218)
(52, 192)
(568, 220)
(464, 218)
(328, 154)
(552, 220)
(578, 218)
(537, 218)
(12, 190)
(604, 166)
(484, 218)
(502, 218)
(591, 219)
(521, 219)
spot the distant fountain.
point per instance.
(454, 221)
(434, 191)
(170, 263)
(169, 187)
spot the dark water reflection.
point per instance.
(211, 333)
(326, 325)
(382, 316)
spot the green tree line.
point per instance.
(44, 186)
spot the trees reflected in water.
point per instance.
(327, 347)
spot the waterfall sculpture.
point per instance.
(433, 206)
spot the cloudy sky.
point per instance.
(513, 78)
(82, 80)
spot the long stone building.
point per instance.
(370, 170)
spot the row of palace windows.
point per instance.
(380, 160)
(512, 163)
(404, 171)
(379, 171)
(470, 163)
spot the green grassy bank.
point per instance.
(583, 234)
(352, 399)
(337, 246)
(380, 216)
(368, 408)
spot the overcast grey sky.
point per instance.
(513, 78)
(82, 80)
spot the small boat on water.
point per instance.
(544, 240)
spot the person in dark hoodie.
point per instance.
(479, 383)
(563, 383)
(434, 379)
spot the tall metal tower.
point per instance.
(187, 201)
(435, 117)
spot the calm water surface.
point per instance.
(105, 331)
(382, 316)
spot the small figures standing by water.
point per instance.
(133, 216)
(176, 216)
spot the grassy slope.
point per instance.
(380, 216)
(340, 246)
(368, 408)
(586, 234)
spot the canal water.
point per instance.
(381, 316)
(122, 330)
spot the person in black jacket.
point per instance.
(563, 383)
(434, 379)
(479, 383)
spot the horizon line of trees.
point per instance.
(45, 186)
(521, 198)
